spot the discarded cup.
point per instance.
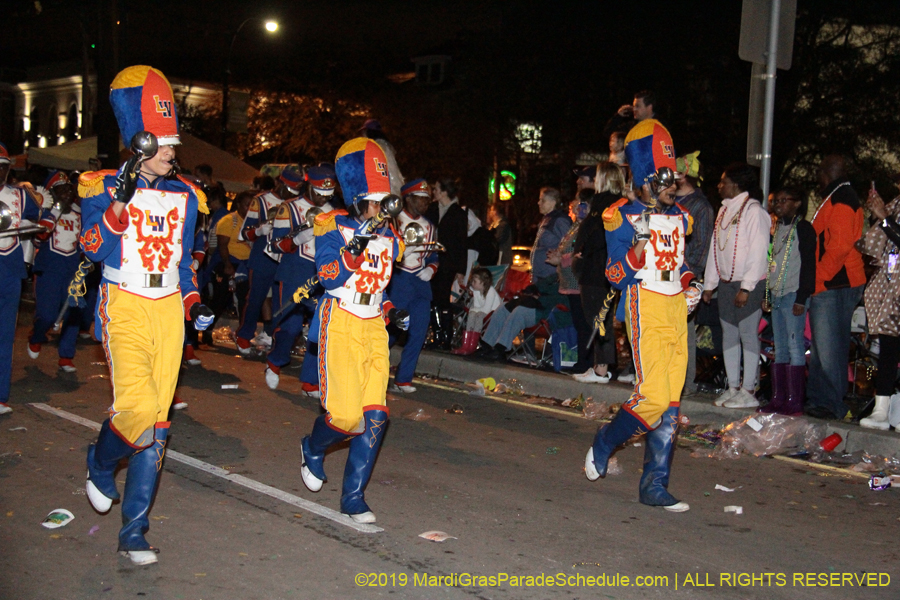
(58, 517)
(831, 442)
(487, 383)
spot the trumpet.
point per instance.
(414, 236)
(6, 219)
(311, 215)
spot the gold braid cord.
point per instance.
(599, 320)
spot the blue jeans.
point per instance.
(788, 330)
(505, 325)
(829, 320)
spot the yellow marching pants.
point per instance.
(354, 366)
(144, 341)
(657, 329)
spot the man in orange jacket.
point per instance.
(840, 280)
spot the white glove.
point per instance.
(642, 227)
(264, 230)
(693, 294)
(425, 274)
(195, 264)
(303, 237)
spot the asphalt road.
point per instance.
(504, 480)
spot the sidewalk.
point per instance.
(699, 408)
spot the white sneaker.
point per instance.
(101, 503)
(879, 417)
(405, 388)
(590, 471)
(66, 366)
(272, 379)
(725, 396)
(678, 507)
(180, 405)
(626, 378)
(590, 376)
(141, 557)
(313, 483)
(743, 399)
(34, 350)
(366, 517)
(4, 409)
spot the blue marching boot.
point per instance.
(102, 458)
(360, 462)
(140, 488)
(658, 464)
(615, 433)
(312, 453)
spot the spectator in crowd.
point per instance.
(204, 174)
(568, 270)
(595, 288)
(584, 178)
(882, 300)
(264, 183)
(739, 241)
(452, 224)
(643, 105)
(839, 286)
(484, 300)
(692, 199)
(503, 235)
(617, 148)
(554, 225)
(481, 244)
(790, 282)
(230, 274)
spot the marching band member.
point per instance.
(17, 207)
(141, 228)
(263, 263)
(410, 286)
(298, 264)
(54, 267)
(646, 241)
(354, 266)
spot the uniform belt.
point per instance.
(127, 279)
(665, 275)
(354, 297)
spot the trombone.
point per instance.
(6, 219)
(414, 236)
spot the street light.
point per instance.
(271, 26)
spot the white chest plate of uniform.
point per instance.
(64, 239)
(13, 198)
(299, 208)
(371, 278)
(152, 242)
(414, 258)
(268, 208)
(663, 254)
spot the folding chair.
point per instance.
(526, 352)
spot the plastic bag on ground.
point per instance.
(595, 410)
(766, 434)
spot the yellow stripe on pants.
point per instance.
(354, 365)
(657, 329)
(144, 342)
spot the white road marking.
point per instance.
(246, 482)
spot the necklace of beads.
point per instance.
(736, 222)
(779, 281)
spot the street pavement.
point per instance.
(233, 519)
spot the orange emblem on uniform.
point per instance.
(92, 240)
(666, 259)
(329, 271)
(154, 246)
(615, 273)
(369, 281)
